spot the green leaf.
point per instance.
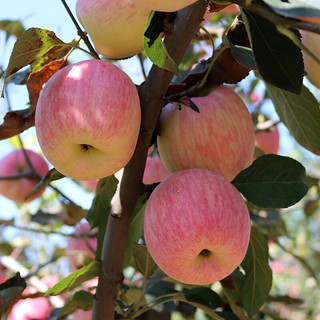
(81, 300)
(278, 59)
(205, 296)
(10, 292)
(273, 181)
(75, 279)
(51, 175)
(295, 8)
(243, 55)
(100, 208)
(136, 228)
(156, 50)
(301, 115)
(258, 274)
(33, 45)
(144, 263)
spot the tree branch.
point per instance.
(151, 98)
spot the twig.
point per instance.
(82, 34)
(141, 65)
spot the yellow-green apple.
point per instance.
(202, 223)
(312, 41)
(164, 5)
(81, 247)
(219, 138)
(15, 164)
(116, 27)
(267, 138)
(155, 171)
(88, 119)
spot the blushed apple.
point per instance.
(14, 164)
(88, 119)
(231, 9)
(31, 308)
(267, 140)
(312, 41)
(155, 171)
(115, 27)
(80, 249)
(219, 138)
(164, 5)
(197, 226)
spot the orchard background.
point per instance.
(284, 240)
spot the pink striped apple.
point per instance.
(155, 171)
(197, 226)
(14, 164)
(164, 5)
(267, 140)
(219, 138)
(88, 119)
(115, 27)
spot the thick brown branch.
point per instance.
(151, 94)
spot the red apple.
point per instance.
(88, 119)
(164, 5)
(155, 171)
(81, 249)
(15, 163)
(197, 226)
(219, 138)
(115, 27)
(267, 140)
(312, 41)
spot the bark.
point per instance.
(151, 94)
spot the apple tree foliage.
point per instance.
(260, 48)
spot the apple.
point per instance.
(164, 5)
(88, 119)
(267, 140)
(312, 41)
(196, 226)
(155, 171)
(219, 138)
(231, 9)
(80, 249)
(31, 308)
(82, 315)
(15, 163)
(116, 27)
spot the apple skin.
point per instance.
(164, 5)
(155, 171)
(88, 119)
(219, 138)
(231, 9)
(31, 308)
(194, 210)
(79, 249)
(312, 41)
(115, 27)
(268, 140)
(15, 163)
